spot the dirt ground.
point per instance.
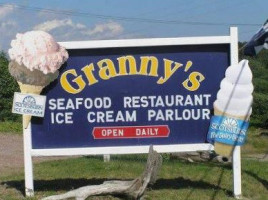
(11, 154)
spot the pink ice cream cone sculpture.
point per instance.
(35, 60)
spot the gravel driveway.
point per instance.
(11, 154)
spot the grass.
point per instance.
(177, 179)
(257, 141)
(11, 127)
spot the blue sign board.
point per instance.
(132, 96)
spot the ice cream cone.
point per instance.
(31, 89)
(225, 149)
(234, 100)
(35, 60)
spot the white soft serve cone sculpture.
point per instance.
(234, 99)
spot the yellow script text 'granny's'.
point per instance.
(74, 83)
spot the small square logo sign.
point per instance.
(29, 104)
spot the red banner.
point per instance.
(130, 132)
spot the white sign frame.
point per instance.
(231, 39)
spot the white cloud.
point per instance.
(7, 24)
(66, 29)
(108, 29)
(54, 24)
(8, 30)
(6, 10)
(80, 26)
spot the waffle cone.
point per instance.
(31, 89)
(225, 149)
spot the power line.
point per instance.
(148, 27)
(134, 19)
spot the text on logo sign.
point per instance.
(108, 70)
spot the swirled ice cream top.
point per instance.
(37, 50)
(235, 94)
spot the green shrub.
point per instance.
(7, 88)
(260, 85)
(259, 67)
(260, 110)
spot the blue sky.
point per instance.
(69, 20)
